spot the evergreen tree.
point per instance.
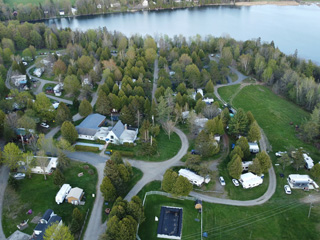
(63, 113)
(235, 167)
(255, 167)
(254, 132)
(126, 116)
(107, 189)
(265, 161)
(69, 132)
(239, 123)
(169, 179)
(103, 104)
(58, 178)
(243, 144)
(85, 108)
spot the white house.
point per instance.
(192, 177)
(49, 164)
(199, 90)
(19, 80)
(74, 10)
(253, 147)
(115, 5)
(250, 180)
(61, 12)
(121, 133)
(63, 192)
(145, 3)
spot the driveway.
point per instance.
(4, 175)
(155, 78)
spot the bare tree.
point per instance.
(12, 120)
(211, 111)
(168, 127)
(42, 160)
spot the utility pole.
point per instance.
(310, 210)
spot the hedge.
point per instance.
(126, 153)
(86, 148)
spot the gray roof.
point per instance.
(91, 124)
(118, 129)
(92, 121)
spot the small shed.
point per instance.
(75, 195)
(198, 204)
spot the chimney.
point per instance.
(125, 127)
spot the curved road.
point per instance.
(4, 175)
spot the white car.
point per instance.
(235, 182)
(44, 125)
(222, 182)
(287, 189)
(280, 154)
(19, 176)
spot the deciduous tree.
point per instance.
(69, 132)
(107, 189)
(58, 232)
(12, 155)
(235, 167)
(85, 108)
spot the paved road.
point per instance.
(4, 175)
(263, 144)
(155, 170)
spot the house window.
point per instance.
(111, 140)
(111, 136)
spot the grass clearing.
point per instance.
(227, 92)
(233, 76)
(167, 148)
(274, 115)
(148, 229)
(39, 195)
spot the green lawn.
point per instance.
(274, 115)
(234, 77)
(167, 148)
(151, 186)
(227, 92)
(39, 195)
(148, 229)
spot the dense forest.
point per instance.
(127, 64)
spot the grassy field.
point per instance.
(39, 195)
(274, 115)
(148, 229)
(227, 92)
(167, 148)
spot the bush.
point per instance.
(126, 153)
(13, 183)
(86, 148)
(90, 171)
(86, 167)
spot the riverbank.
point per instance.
(278, 3)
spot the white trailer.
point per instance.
(254, 148)
(63, 192)
(192, 177)
(308, 160)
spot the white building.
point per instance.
(250, 180)
(208, 101)
(297, 181)
(90, 126)
(63, 192)
(192, 177)
(199, 90)
(44, 165)
(58, 89)
(245, 165)
(121, 133)
(19, 80)
(253, 147)
(61, 12)
(308, 160)
(38, 72)
(115, 5)
(145, 3)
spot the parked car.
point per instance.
(44, 125)
(195, 152)
(33, 80)
(108, 152)
(19, 176)
(287, 189)
(235, 182)
(221, 180)
(280, 154)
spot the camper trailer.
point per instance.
(192, 177)
(297, 181)
(308, 160)
(254, 148)
(250, 180)
(63, 192)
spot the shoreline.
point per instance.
(278, 3)
(237, 4)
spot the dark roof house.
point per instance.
(48, 218)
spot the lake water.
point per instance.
(290, 27)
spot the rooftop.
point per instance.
(170, 223)
(92, 121)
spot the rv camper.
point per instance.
(63, 192)
(254, 148)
